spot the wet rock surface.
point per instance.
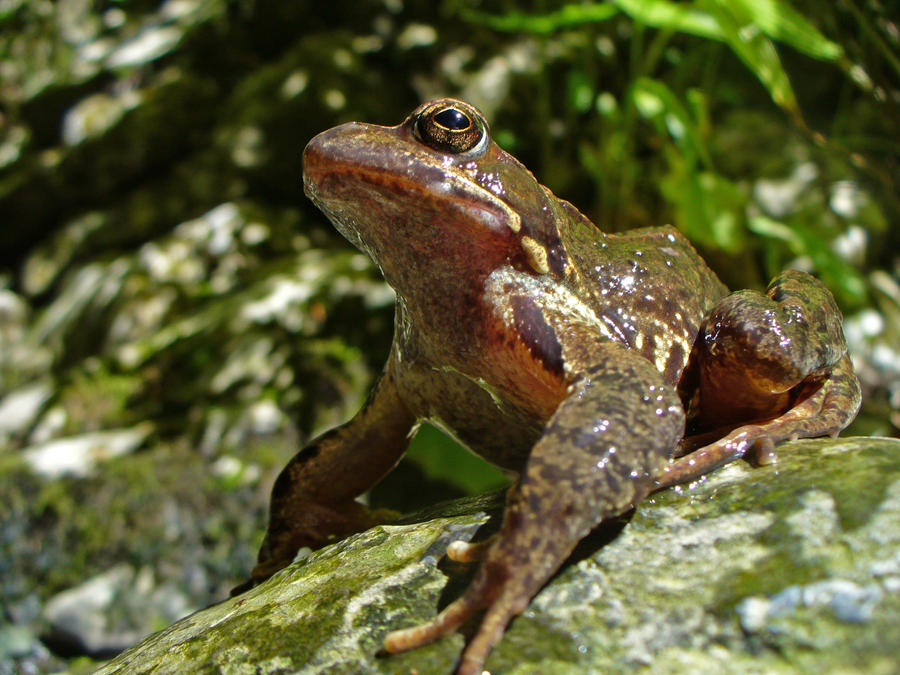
(789, 568)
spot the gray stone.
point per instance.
(787, 568)
(80, 455)
(110, 611)
(20, 408)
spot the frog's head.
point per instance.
(433, 199)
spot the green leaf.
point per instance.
(656, 102)
(566, 17)
(781, 22)
(773, 229)
(679, 17)
(746, 26)
(775, 18)
(441, 458)
(709, 208)
(579, 90)
(748, 41)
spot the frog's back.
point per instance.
(649, 288)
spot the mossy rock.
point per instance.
(792, 567)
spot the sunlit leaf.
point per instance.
(709, 208)
(672, 16)
(781, 22)
(774, 229)
(746, 27)
(566, 17)
(748, 41)
(606, 104)
(656, 102)
(774, 18)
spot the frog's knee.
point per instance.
(745, 337)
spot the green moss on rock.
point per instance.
(776, 569)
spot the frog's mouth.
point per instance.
(373, 175)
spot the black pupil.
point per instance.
(452, 119)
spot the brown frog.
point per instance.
(571, 357)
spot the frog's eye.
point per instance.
(450, 126)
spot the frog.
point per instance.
(594, 367)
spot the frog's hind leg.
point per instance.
(756, 353)
(772, 368)
(826, 411)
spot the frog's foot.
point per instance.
(498, 586)
(314, 497)
(515, 564)
(312, 526)
(595, 459)
(824, 411)
(490, 632)
(748, 441)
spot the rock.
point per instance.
(22, 652)
(21, 364)
(786, 568)
(79, 455)
(108, 612)
(20, 408)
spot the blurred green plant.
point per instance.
(746, 26)
(680, 83)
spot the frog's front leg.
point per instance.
(599, 455)
(771, 367)
(313, 499)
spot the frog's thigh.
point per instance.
(754, 349)
(599, 454)
(828, 410)
(313, 497)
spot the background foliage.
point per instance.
(175, 319)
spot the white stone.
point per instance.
(19, 408)
(146, 46)
(79, 455)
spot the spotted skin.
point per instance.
(574, 359)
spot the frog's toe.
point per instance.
(490, 632)
(468, 552)
(502, 608)
(761, 452)
(444, 623)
